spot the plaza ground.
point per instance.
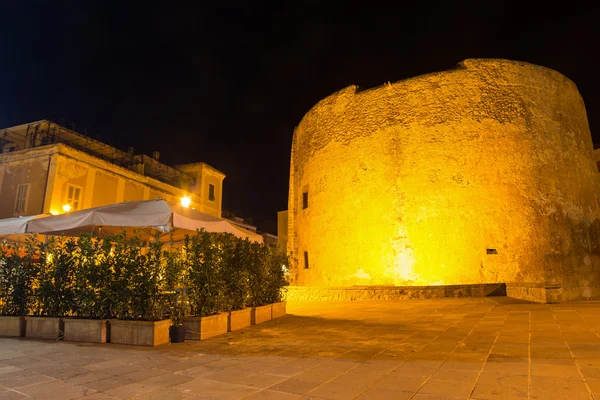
(447, 349)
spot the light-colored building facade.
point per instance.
(47, 168)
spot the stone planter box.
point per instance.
(278, 309)
(200, 328)
(261, 314)
(12, 326)
(140, 333)
(85, 330)
(239, 319)
(44, 328)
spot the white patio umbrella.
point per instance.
(15, 229)
(147, 216)
(17, 225)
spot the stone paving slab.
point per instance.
(444, 349)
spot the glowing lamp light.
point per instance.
(67, 208)
(186, 201)
(53, 212)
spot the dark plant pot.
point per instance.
(177, 334)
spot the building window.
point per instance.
(304, 200)
(74, 197)
(211, 192)
(21, 198)
(306, 260)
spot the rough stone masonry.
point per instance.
(480, 174)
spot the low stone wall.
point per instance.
(309, 293)
(550, 293)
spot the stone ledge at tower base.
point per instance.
(311, 293)
(551, 293)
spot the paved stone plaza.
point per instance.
(477, 348)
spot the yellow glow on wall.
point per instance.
(53, 212)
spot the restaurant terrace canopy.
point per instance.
(149, 217)
(14, 229)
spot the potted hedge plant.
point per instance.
(91, 291)
(258, 273)
(235, 256)
(174, 286)
(276, 281)
(177, 329)
(136, 289)
(202, 259)
(16, 275)
(53, 286)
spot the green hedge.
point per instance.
(125, 277)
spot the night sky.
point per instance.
(226, 83)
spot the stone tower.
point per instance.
(480, 174)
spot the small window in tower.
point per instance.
(306, 260)
(211, 192)
(304, 200)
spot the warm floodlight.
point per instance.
(53, 212)
(67, 208)
(185, 201)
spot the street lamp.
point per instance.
(186, 201)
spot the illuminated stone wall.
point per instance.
(414, 182)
